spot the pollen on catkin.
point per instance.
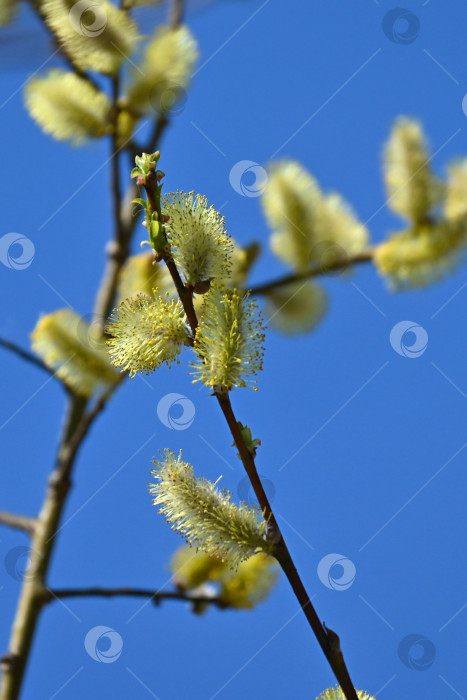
(204, 515)
(415, 258)
(146, 332)
(412, 188)
(200, 245)
(303, 218)
(228, 341)
(164, 73)
(455, 203)
(98, 36)
(67, 107)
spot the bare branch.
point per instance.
(316, 271)
(78, 421)
(19, 522)
(176, 13)
(331, 650)
(25, 355)
(155, 596)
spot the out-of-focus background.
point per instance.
(364, 450)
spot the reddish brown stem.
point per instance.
(328, 640)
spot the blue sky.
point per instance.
(379, 439)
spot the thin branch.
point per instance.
(328, 640)
(316, 271)
(78, 421)
(176, 13)
(19, 522)
(118, 249)
(25, 355)
(247, 458)
(155, 596)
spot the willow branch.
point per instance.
(25, 355)
(79, 419)
(18, 522)
(176, 13)
(315, 271)
(327, 639)
(118, 249)
(30, 603)
(155, 596)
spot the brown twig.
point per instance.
(283, 556)
(326, 640)
(19, 522)
(155, 596)
(176, 13)
(315, 271)
(118, 249)
(77, 424)
(25, 355)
